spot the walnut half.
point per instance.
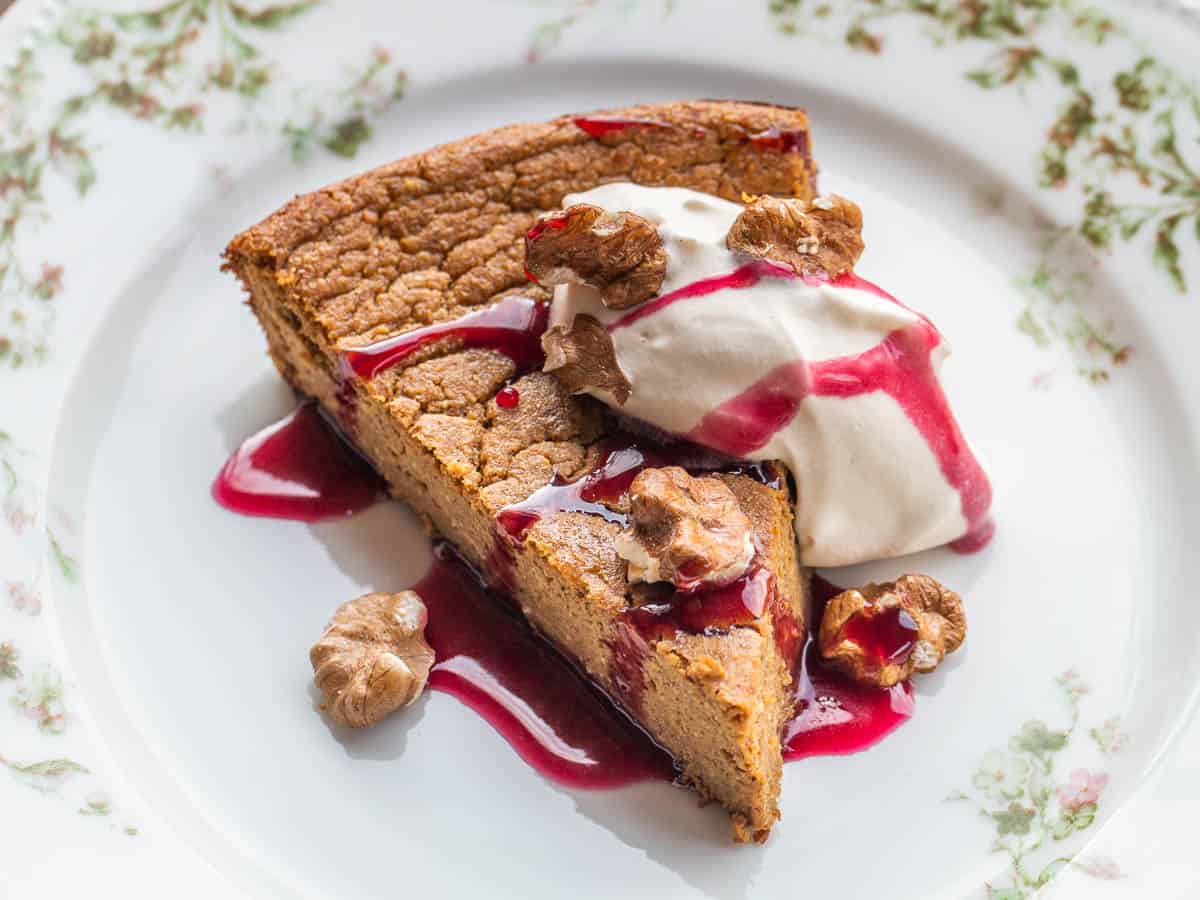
(881, 634)
(688, 531)
(372, 658)
(620, 254)
(582, 357)
(824, 236)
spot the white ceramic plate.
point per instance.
(1030, 175)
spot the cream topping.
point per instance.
(718, 363)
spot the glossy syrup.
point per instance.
(513, 327)
(781, 140)
(299, 468)
(488, 657)
(508, 398)
(707, 611)
(835, 716)
(620, 461)
(601, 126)
(746, 276)
(888, 635)
(622, 457)
(562, 726)
(552, 717)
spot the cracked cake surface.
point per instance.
(433, 237)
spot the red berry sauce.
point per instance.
(513, 327)
(601, 126)
(781, 140)
(888, 635)
(622, 457)
(707, 611)
(300, 468)
(489, 658)
(552, 222)
(508, 398)
(746, 276)
(834, 715)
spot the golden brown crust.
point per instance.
(430, 237)
(427, 237)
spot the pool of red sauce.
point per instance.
(489, 658)
(835, 716)
(299, 468)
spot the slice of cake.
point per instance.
(399, 300)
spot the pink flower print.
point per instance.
(1101, 867)
(1082, 788)
(41, 700)
(18, 518)
(24, 598)
(50, 283)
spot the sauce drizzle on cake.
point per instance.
(622, 457)
(835, 715)
(489, 658)
(513, 327)
(600, 126)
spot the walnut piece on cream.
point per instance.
(688, 531)
(881, 634)
(372, 658)
(582, 357)
(821, 237)
(618, 253)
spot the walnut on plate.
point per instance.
(372, 658)
(821, 237)
(618, 253)
(684, 530)
(881, 634)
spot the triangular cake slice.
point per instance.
(412, 250)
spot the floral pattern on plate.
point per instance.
(183, 66)
(1122, 145)
(1023, 792)
(1123, 142)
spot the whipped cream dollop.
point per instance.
(835, 379)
